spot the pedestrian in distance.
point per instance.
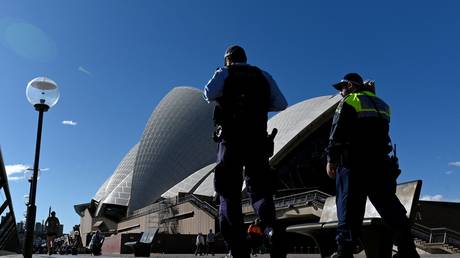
(244, 94)
(255, 236)
(97, 240)
(52, 227)
(76, 240)
(200, 244)
(358, 159)
(210, 242)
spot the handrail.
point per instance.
(438, 228)
(421, 232)
(154, 207)
(202, 204)
(8, 225)
(6, 230)
(439, 235)
(313, 197)
(160, 206)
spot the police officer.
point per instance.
(243, 94)
(357, 154)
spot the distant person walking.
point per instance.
(210, 242)
(244, 95)
(76, 240)
(199, 242)
(97, 240)
(52, 228)
(357, 157)
(255, 236)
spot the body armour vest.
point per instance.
(369, 134)
(244, 103)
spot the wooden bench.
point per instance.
(376, 236)
(142, 247)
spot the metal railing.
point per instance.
(436, 235)
(8, 234)
(313, 198)
(155, 207)
(200, 203)
(165, 204)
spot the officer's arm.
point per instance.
(277, 100)
(340, 133)
(338, 138)
(215, 87)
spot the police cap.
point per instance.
(353, 78)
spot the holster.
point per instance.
(271, 142)
(393, 167)
(218, 118)
(217, 135)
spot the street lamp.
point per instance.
(43, 94)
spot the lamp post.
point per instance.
(43, 94)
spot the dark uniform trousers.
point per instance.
(354, 184)
(232, 157)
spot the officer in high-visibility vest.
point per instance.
(357, 154)
(244, 94)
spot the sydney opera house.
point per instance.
(165, 180)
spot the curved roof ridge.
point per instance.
(186, 88)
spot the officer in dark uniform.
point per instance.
(357, 153)
(243, 94)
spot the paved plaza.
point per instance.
(209, 256)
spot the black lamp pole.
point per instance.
(31, 208)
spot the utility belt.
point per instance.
(390, 163)
(268, 140)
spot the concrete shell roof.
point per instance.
(117, 188)
(122, 193)
(176, 142)
(207, 186)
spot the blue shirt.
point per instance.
(215, 88)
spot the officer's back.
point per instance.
(369, 137)
(244, 102)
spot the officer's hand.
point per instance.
(331, 169)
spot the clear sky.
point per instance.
(114, 61)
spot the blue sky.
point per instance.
(114, 61)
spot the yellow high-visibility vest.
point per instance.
(367, 104)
